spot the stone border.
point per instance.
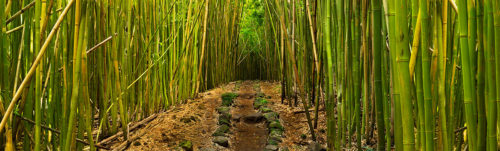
(224, 120)
(276, 130)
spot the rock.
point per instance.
(227, 98)
(276, 138)
(272, 142)
(222, 141)
(259, 102)
(223, 109)
(276, 132)
(271, 148)
(207, 149)
(253, 118)
(236, 117)
(226, 115)
(221, 130)
(227, 102)
(314, 146)
(284, 148)
(271, 116)
(264, 109)
(276, 135)
(186, 145)
(276, 125)
(224, 121)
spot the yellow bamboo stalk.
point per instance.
(415, 45)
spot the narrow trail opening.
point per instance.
(250, 132)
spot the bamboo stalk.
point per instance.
(35, 64)
(404, 75)
(468, 85)
(377, 70)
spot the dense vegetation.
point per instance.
(409, 75)
(65, 62)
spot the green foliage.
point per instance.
(227, 98)
(187, 145)
(251, 26)
(264, 109)
(272, 142)
(276, 125)
(223, 109)
(221, 130)
(271, 116)
(260, 102)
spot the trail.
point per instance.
(248, 135)
(196, 121)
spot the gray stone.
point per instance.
(225, 119)
(259, 102)
(223, 109)
(254, 118)
(284, 148)
(271, 116)
(207, 149)
(276, 125)
(236, 117)
(221, 140)
(271, 147)
(315, 146)
(276, 135)
(221, 130)
(264, 109)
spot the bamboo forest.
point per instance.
(250, 75)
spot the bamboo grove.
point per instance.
(393, 74)
(76, 71)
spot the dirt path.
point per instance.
(248, 135)
(196, 121)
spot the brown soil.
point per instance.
(196, 120)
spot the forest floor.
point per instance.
(194, 123)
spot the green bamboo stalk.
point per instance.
(467, 79)
(496, 26)
(39, 75)
(429, 117)
(85, 104)
(356, 71)
(77, 53)
(481, 92)
(396, 97)
(377, 70)
(441, 82)
(330, 93)
(489, 47)
(403, 59)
